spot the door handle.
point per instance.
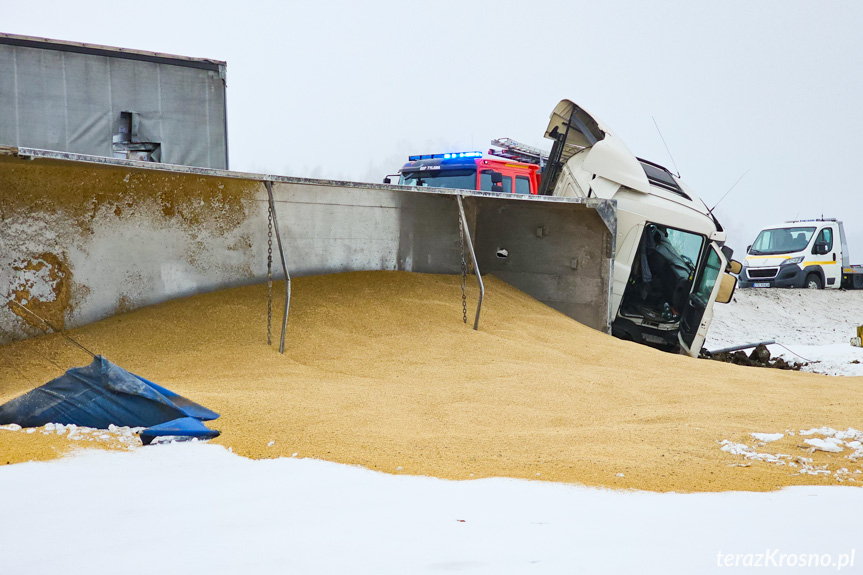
(834, 257)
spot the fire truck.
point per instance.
(518, 173)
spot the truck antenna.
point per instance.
(710, 211)
(676, 169)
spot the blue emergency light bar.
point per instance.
(445, 156)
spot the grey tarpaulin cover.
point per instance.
(65, 97)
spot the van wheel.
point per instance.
(813, 282)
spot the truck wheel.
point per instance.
(813, 282)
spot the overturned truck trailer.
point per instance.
(86, 237)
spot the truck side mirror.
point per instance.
(726, 288)
(387, 181)
(496, 182)
(819, 248)
(749, 247)
(734, 267)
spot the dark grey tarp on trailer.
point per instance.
(69, 97)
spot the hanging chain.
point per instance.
(463, 271)
(269, 275)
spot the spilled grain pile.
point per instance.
(380, 371)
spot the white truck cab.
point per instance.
(800, 253)
(670, 262)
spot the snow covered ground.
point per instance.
(197, 508)
(815, 324)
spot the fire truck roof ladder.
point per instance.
(519, 152)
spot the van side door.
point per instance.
(825, 252)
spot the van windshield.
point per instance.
(782, 241)
(456, 179)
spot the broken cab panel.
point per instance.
(698, 311)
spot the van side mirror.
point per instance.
(749, 247)
(726, 288)
(820, 248)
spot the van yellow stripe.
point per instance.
(805, 263)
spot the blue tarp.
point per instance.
(183, 427)
(101, 394)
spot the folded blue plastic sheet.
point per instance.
(101, 394)
(183, 427)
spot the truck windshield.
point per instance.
(687, 244)
(782, 241)
(457, 179)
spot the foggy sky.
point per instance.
(347, 90)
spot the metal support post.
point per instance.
(473, 259)
(269, 186)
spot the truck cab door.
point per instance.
(698, 311)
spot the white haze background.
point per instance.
(347, 90)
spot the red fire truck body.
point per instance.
(518, 173)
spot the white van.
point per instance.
(802, 253)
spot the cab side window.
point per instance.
(522, 185)
(485, 180)
(486, 185)
(826, 236)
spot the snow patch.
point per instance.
(831, 445)
(833, 441)
(125, 437)
(767, 437)
(750, 453)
